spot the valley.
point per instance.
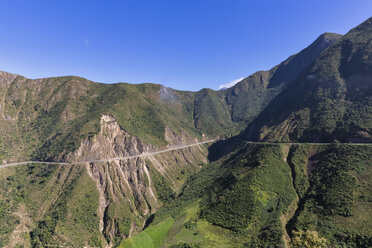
(281, 159)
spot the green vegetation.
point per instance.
(8, 201)
(241, 200)
(118, 221)
(238, 201)
(338, 202)
(211, 108)
(308, 239)
(246, 189)
(251, 195)
(159, 232)
(162, 186)
(69, 212)
(152, 237)
(298, 159)
(331, 100)
(50, 117)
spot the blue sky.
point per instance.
(183, 44)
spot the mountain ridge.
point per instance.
(324, 83)
(233, 109)
(279, 192)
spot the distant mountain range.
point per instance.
(282, 174)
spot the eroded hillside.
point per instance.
(114, 198)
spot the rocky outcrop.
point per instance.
(128, 187)
(6, 78)
(111, 142)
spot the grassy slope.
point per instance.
(151, 237)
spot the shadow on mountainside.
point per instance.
(221, 148)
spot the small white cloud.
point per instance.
(230, 84)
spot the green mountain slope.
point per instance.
(47, 118)
(288, 195)
(253, 93)
(274, 196)
(48, 205)
(331, 99)
(53, 115)
(251, 195)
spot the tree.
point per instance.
(308, 239)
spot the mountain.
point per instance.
(53, 115)
(331, 100)
(71, 119)
(272, 195)
(250, 96)
(268, 194)
(132, 160)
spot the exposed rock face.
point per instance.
(167, 94)
(128, 189)
(111, 142)
(6, 78)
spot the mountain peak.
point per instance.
(329, 35)
(364, 24)
(324, 41)
(331, 98)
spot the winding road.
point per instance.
(166, 150)
(314, 144)
(109, 159)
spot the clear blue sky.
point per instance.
(184, 44)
